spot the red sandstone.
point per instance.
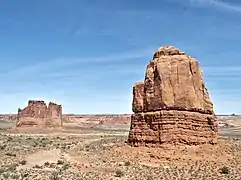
(37, 113)
(172, 105)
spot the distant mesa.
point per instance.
(37, 113)
(172, 104)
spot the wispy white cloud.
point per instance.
(213, 3)
(71, 81)
(78, 80)
(82, 32)
(226, 92)
(222, 70)
(58, 67)
(217, 3)
(223, 86)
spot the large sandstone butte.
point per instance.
(37, 113)
(172, 105)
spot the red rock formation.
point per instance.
(138, 94)
(172, 105)
(54, 114)
(38, 114)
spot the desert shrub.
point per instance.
(29, 138)
(23, 162)
(60, 162)
(2, 170)
(6, 175)
(12, 167)
(14, 176)
(10, 154)
(2, 147)
(150, 178)
(23, 175)
(52, 165)
(43, 144)
(55, 176)
(37, 166)
(119, 173)
(9, 138)
(224, 170)
(46, 163)
(65, 166)
(127, 163)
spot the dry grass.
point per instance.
(96, 154)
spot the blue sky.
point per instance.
(87, 54)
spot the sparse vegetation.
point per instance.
(105, 156)
(23, 162)
(119, 173)
(55, 176)
(224, 170)
(60, 162)
(150, 177)
(127, 163)
(12, 167)
(37, 166)
(65, 166)
(46, 164)
(2, 170)
(10, 154)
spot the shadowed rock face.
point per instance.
(37, 113)
(172, 105)
(138, 97)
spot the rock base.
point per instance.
(172, 127)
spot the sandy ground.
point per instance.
(100, 152)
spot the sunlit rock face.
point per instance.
(172, 104)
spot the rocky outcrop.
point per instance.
(138, 97)
(172, 105)
(37, 113)
(54, 114)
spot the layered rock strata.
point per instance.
(172, 105)
(37, 113)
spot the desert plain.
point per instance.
(87, 149)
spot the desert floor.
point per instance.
(98, 152)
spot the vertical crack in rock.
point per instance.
(190, 67)
(193, 75)
(172, 105)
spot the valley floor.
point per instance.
(97, 153)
